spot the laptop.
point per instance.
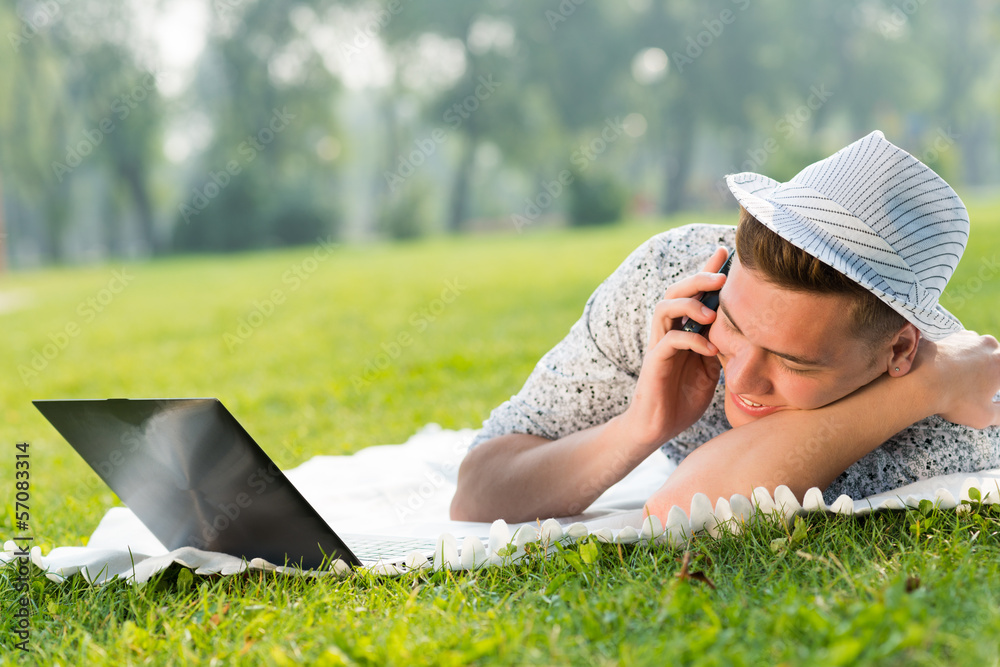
(194, 476)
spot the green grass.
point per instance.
(869, 590)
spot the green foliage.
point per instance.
(841, 590)
(405, 215)
(260, 181)
(297, 221)
(495, 101)
(596, 198)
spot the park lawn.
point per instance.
(322, 350)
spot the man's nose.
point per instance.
(745, 373)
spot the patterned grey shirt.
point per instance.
(589, 377)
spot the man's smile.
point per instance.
(751, 408)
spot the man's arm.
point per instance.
(519, 477)
(956, 378)
(798, 448)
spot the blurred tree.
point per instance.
(81, 103)
(33, 125)
(124, 112)
(965, 34)
(583, 85)
(3, 234)
(722, 79)
(484, 102)
(267, 175)
(597, 198)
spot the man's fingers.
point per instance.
(717, 259)
(681, 301)
(675, 340)
(681, 298)
(704, 281)
(670, 311)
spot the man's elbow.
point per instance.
(459, 505)
(463, 506)
(459, 508)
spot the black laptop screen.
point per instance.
(195, 477)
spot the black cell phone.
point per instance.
(709, 300)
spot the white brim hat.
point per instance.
(878, 215)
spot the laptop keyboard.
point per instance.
(377, 547)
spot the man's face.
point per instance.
(785, 350)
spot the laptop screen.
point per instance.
(195, 477)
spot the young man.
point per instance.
(829, 363)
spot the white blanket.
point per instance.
(406, 490)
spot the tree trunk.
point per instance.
(381, 191)
(140, 195)
(111, 224)
(3, 235)
(55, 214)
(678, 160)
(458, 206)
(975, 143)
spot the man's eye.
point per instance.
(797, 371)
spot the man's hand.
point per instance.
(680, 370)
(962, 373)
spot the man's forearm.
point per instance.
(520, 477)
(798, 448)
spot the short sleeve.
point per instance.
(588, 377)
(931, 447)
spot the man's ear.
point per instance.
(903, 350)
